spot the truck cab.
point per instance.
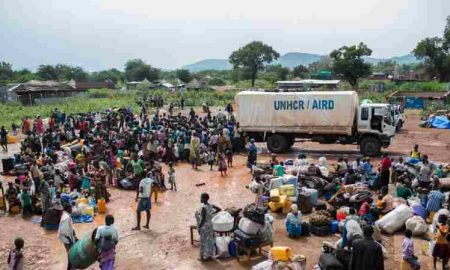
(375, 127)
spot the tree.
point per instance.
(113, 74)
(6, 71)
(435, 52)
(324, 63)
(300, 71)
(47, 72)
(348, 61)
(385, 67)
(275, 73)
(138, 70)
(184, 75)
(252, 58)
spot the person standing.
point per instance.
(205, 227)
(4, 139)
(408, 251)
(441, 248)
(367, 253)
(66, 233)
(106, 239)
(144, 202)
(435, 200)
(385, 171)
(26, 127)
(138, 168)
(46, 199)
(222, 164)
(252, 154)
(173, 184)
(425, 172)
(15, 257)
(39, 125)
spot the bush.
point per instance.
(99, 93)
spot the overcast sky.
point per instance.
(102, 34)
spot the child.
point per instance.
(25, 199)
(222, 164)
(161, 178)
(211, 158)
(15, 257)
(229, 153)
(440, 249)
(408, 251)
(172, 182)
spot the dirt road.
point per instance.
(167, 245)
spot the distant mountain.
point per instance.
(294, 59)
(291, 60)
(209, 64)
(404, 59)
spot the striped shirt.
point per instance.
(435, 200)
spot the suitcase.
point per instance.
(8, 165)
(306, 229)
(288, 190)
(246, 240)
(275, 195)
(304, 203)
(321, 231)
(248, 226)
(329, 262)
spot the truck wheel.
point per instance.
(370, 146)
(277, 143)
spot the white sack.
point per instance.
(222, 243)
(417, 225)
(248, 226)
(395, 219)
(223, 222)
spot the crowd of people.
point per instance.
(86, 154)
(83, 155)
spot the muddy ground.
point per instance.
(167, 244)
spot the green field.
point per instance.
(101, 99)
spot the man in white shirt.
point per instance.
(144, 202)
(66, 233)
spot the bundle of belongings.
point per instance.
(351, 195)
(282, 258)
(320, 223)
(283, 191)
(254, 228)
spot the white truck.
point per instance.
(325, 117)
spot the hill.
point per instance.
(209, 64)
(290, 60)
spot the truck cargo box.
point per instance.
(302, 112)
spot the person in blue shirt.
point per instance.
(366, 166)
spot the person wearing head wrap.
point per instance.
(293, 222)
(205, 227)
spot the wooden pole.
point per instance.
(3, 197)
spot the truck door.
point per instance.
(363, 119)
(376, 122)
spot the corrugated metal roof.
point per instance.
(310, 82)
(422, 94)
